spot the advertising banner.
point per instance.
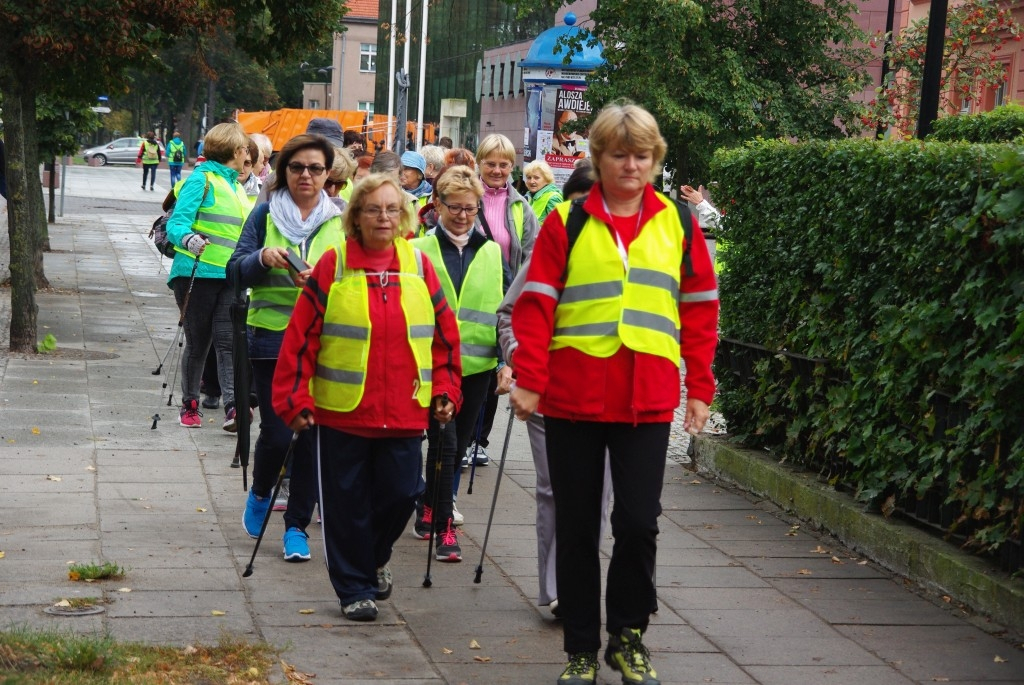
(549, 108)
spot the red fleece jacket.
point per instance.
(629, 387)
(387, 407)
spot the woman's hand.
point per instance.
(303, 421)
(524, 402)
(504, 380)
(444, 409)
(691, 194)
(196, 244)
(277, 258)
(697, 414)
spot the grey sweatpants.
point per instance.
(207, 322)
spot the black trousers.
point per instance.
(576, 453)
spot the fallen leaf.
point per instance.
(863, 562)
(819, 550)
(947, 599)
(889, 506)
(752, 517)
(805, 572)
(35, 382)
(695, 482)
(940, 679)
(473, 644)
(200, 510)
(482, 659)
(53, 478)
(445, 650)
(1, 554)
(90, 468)
(999, 659)
(189, 650)
(307, 611)
(837, 560)
(35, 430)
(218, 612)
(90, 580)
(253, 672)
(62, 603)
(124, 589)
(74, 575)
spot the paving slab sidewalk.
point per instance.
(746, 594)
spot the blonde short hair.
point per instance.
(223, 140)
(344, 165)
(433, 155)
(263, 142)
(458, 179)
(542, 169)
(623, 125)
(496, 144)
(406, 220)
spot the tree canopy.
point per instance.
(717, 72)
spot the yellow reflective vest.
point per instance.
(221, 223)
(271, 301)
(607, 303)
(340, 378)
(476, 306)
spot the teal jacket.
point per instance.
(180, 225)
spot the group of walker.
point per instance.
(368, 330)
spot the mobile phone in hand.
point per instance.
(295, 262)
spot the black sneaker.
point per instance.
(627, 655)
(581, 669)
(384, 582)
(448, 545)
(421, 529)
(360, 610)
(211, 401)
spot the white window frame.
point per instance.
(368, 58)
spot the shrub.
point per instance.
(1003, 124)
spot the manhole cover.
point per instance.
(74, 611)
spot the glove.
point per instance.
(195, 244)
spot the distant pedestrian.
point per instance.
(149, 157)
(176, 157)
(445, 142)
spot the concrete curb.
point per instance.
(899, 546)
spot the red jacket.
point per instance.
(627, 387)
(387, 406)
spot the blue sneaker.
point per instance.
(295, 546)
(255, 511)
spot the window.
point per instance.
(364, 106)
(313, 104)
(368, 57)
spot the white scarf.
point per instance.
(288, 218)
(459, 241)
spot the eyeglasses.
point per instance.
(313, 169)
(378, 212)
(246, 163)
(456, 209)
(333, 183)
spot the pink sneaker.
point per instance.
(189, 415)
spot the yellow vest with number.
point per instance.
(271, 301)
(221, 223)
(606, 304)
(340, 378)
(476, 306)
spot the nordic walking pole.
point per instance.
(273, 496)
(476, 447)
(494, 498)
(181, 317)
(427, 582)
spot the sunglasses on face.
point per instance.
(313, 169)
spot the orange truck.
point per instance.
(281, 125)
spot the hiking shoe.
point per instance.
(581, 669)
(421, 529)
(255, 511)
(189, 415)
(465, 460)
(281, 503)
(482, 459)
(230, 424)
(384, 582)
(457, 518)
(296, 546)
(211, 401)
(448, 545)
(360, 610)
(627, 655)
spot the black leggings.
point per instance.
(207, 322)
(150, 170)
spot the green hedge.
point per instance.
(1003, 124)
(885, 281)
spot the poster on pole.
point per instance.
(549, 108)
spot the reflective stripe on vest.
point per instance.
(476, 306)
(273, 298)
(540, 202)
(340, 379)
(604, 305)
(221, 223)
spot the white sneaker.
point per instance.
(457, 518)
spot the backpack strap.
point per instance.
(687, 220)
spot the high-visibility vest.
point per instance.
(540, 203)
(340, 379)
(151, 154)
(221, 224)
(272, 300)
(517, 218)
(476, 306)
(606, 304)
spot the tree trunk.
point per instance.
(187, 123)
(21, 175)
(37, 207)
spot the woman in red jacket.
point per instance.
(599, 326)
(371, 350)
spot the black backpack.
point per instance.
(158, 232)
